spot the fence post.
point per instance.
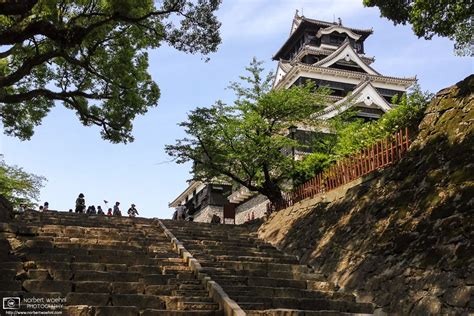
(407, 144)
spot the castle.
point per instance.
(330, 55)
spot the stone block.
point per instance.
(156, 279)
(92, 287)
(116, 310)
(38, 274)
(78, 310)
(47, 286)
(160, 289)
(459, 296)
(141, 301)
(95, 299)
(128, 288)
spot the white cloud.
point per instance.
(256, 18)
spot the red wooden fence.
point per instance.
(379, 155)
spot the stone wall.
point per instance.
(205, 215)
(256, 205)
(403, 240)
(6, 209)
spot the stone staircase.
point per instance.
(97, 265)
(259, 278)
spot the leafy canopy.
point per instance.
(353, 135)
(349, 134)
(245, 142)
(447, 18)
(91, 55)
(18, 186)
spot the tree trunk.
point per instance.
(273, 192)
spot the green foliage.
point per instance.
(309, 166)
(93, 57)
(448, 18)
(353, 135)
(18, 186)
(244, 142)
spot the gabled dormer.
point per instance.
(346, 58)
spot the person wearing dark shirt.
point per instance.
(132, 211)
(117, 209)
(99, 210)
(80, 204)
(92, 211)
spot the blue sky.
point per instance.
(75, 159)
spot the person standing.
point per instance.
(46, 207)
(80, 204)
(132, 211)
(109, 212)
(117, 209)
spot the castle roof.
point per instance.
(364, 93)
(311, 49)
(346, 53)
(297, 67)
(300, 23)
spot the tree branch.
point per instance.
(26, 96)
(26, 67)
(15, 7)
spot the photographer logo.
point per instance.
(11, 303)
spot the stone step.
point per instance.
(155, 312)
(244, 252)
(85, 310)
(166, 289)
(309, 304)
(315, 280)
(8, 274)
(108, 276)
(190, 292)
(249, 265)
(256, 294)
(297, 312)
(197, 306)
(250, 259)
(259, 281)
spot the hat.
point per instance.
(81, 195)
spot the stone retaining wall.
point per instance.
(256, 205)
(205, 215)
(405, 239)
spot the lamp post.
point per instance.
(292, 129)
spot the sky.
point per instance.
(75, 159)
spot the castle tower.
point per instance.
(333, 55)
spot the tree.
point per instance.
(18, 186)
(91, 55)
(245, 142)
(355, 134)
(447, 18)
